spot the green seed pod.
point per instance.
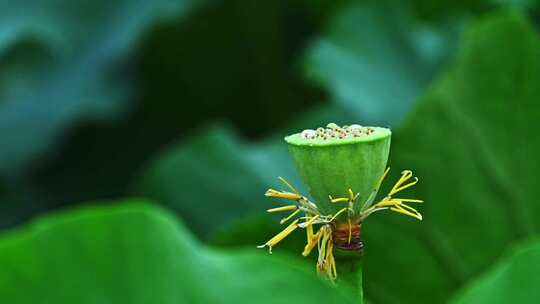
(335, 159)
(343, 168)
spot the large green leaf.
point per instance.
(137, 253)
(376, 59)
(514, 279)
(471, 140)
(57, 59)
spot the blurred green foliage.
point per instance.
(187, 102)
(513, 279)
(137, 253)
(220, 169)
(56, 59)
(375, 59)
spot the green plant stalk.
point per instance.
(350, 271)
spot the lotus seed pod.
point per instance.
(330, 166)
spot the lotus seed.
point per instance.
(309, 134)
(332, 126)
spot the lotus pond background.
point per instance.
(138, 138)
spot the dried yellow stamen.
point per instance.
(284, 220)
(312, 241)
(379, 183)
(352, 197)
(410, 200)
(309, 232)
(311, 220)
(350, 231)
(280, 236)
(326, 263)
(286, 183)
(330, 262)
(338, 214)
(325, 231)
(286, 195)
(284, 208)
(323, 239)
(339, 200)
(397, 204)
(311, 238)
(387, 202)
(407, 210)
(405, 176)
